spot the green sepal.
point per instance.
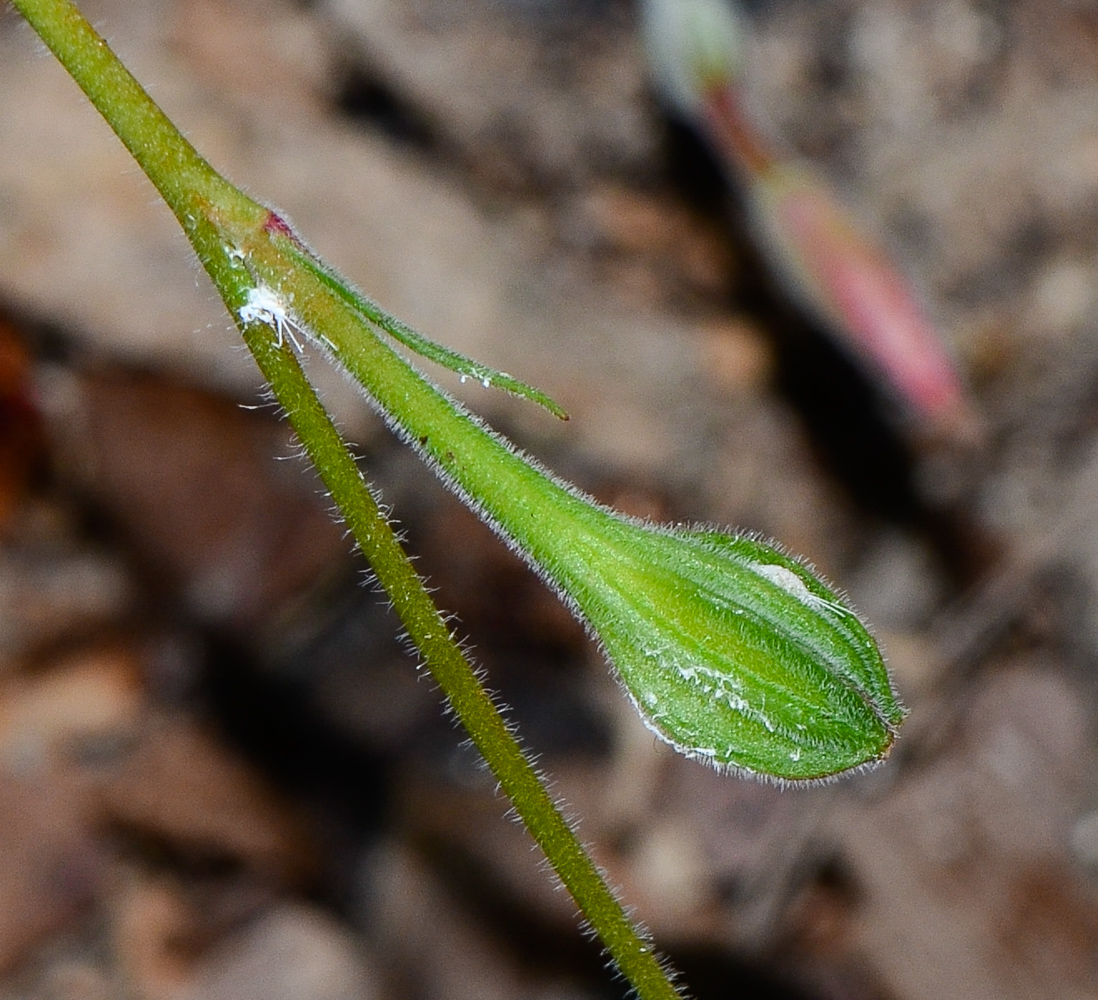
(734, 652)
(463, 366)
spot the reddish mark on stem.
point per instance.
(275, 225)
(278, 226)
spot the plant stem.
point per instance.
(208, 207)
(731, 650)
(449, 667)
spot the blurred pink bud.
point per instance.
(838, 273)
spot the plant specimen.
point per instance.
(731, 650)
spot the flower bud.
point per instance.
(732, 651)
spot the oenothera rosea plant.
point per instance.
(730, 649)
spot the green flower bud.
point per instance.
(734, 652)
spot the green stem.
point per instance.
(450, 668)
(731, 649)
(193, 190)
(218, 219)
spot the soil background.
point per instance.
(222, 775)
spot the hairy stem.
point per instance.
(216, 216)
(454, 674)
